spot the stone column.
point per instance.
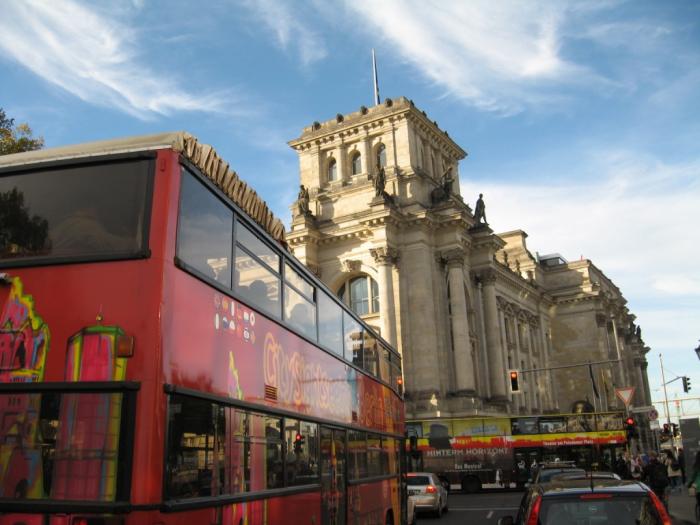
(367, 162)
(525, 379)
(486, 383)
(464, 362)
(385, 258)
(341, 161)
(538, 401)
(497, 367)
(645, 379)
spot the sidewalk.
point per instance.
(682, 508)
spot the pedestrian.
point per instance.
(636, 467)
(695, 478)
(622, 468)
(673, 470)
(681, 461)
(655, 475)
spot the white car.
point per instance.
(428, 492)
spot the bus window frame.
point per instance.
(122, 503)
(144, 252)
(175, 505)
(285, 258)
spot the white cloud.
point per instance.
(495, 55)
(93, 57)
(289, 29)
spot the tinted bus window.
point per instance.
(299, 307)
(374, 455)
(301, 439)
(524, 425)
(60, 446)
(580, 423)
(357, 455)
(205, 231)
(196, 436)
(353, 340)
(254, 279)
(330, 323)
(89, 211)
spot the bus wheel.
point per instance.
(471, 485)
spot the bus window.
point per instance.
(205, 231)
(299, 308)
(196, 432)
(301, 461)
(374, 456)
(384, 364)
(93, 211)
(353, 340)
(524, 425)
(371, 354)
(61, 445)
(357, 455)
(610, 421)
(330, 323)
(580, 423)
(552, 425)
(254, 279)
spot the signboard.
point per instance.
(653, 415)
(625, 394)
(654, 424)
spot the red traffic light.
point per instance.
(298, 437)
(629, 421)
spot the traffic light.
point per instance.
(667, 428)
(298, 443)
(686, 384)
(514, 377)
(631, 427)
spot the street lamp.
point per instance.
(697, 351)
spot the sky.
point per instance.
(581, 118)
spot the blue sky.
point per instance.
(581, 119)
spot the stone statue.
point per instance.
(480, 210)
(638, 333)
(379, 181)
(303, 201)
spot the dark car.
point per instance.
(589, 501)
(546, 471)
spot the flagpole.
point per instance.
(663, 378)
(376, 81)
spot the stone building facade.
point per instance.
(388, 230)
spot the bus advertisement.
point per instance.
(500, 452)
(164, 359)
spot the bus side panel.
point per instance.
(369, 503)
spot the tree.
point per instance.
(16, 138)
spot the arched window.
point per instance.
(332, 170)
(381, 155)
(361, 294)
(356, 163)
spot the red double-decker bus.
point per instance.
(164, 360)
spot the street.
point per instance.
(476, 508)
(488, 507)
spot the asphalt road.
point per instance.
(486, 508)
(476, 508)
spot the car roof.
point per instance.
(563, 487)
(411, 474)
(558, 464)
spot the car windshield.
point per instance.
(599, 509)
(418, 480)
(548, 474)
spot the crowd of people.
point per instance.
(664, 473)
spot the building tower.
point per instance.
(387, 229)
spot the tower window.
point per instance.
(361, 294)
(356, 163)
(381, 155)
(332, 170)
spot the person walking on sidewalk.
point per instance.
(655, 475)
(673, 471)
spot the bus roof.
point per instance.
(201, 155)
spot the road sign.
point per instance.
(654, 424)
(625, 394)
(653, 415)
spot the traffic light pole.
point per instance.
(663, 379)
